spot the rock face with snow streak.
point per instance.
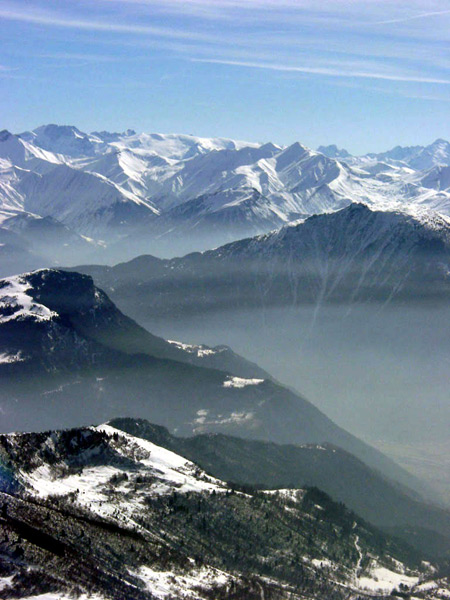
(351, 256)
(101, 512)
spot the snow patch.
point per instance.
(200, 350)
(323, 563)
(5, 582)
(240, 382)
(288, 493)
(384, 580)
(62, 596)
(171, 584)
(15, 303)
(201, 416)
(234, 418)
(10, 358)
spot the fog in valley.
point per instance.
(380, 372)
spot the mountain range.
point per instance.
(350, 307)
(69, 357)
(124, 194)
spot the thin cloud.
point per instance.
(325, 71)
(54, 20)
(78, 56)
(390, 91)
(332, 11)
(274, 48)
(413, 17)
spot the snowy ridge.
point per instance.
(358, 253)
(375, 244)
(151, 498)
(177, 146)
(162, 471)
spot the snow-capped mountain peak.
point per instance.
(67, 140)
(332, 151)
(168, 194)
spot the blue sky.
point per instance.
(363, 74)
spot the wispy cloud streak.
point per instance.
(325, 71)
(367, 50)
(77, 56)
(413, 17)
(54, 20)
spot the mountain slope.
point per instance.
(437, 178)
(98, 511)
(353, 255)
(327, 467)
(25, 155)
(63, 341)
(88, 203)
(16, 253)
(39, 242)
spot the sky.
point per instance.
(363, 74)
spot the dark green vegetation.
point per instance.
(327, 467)
(73, 549)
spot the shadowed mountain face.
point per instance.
(75, 304)
(70, 357)
(354, 255)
